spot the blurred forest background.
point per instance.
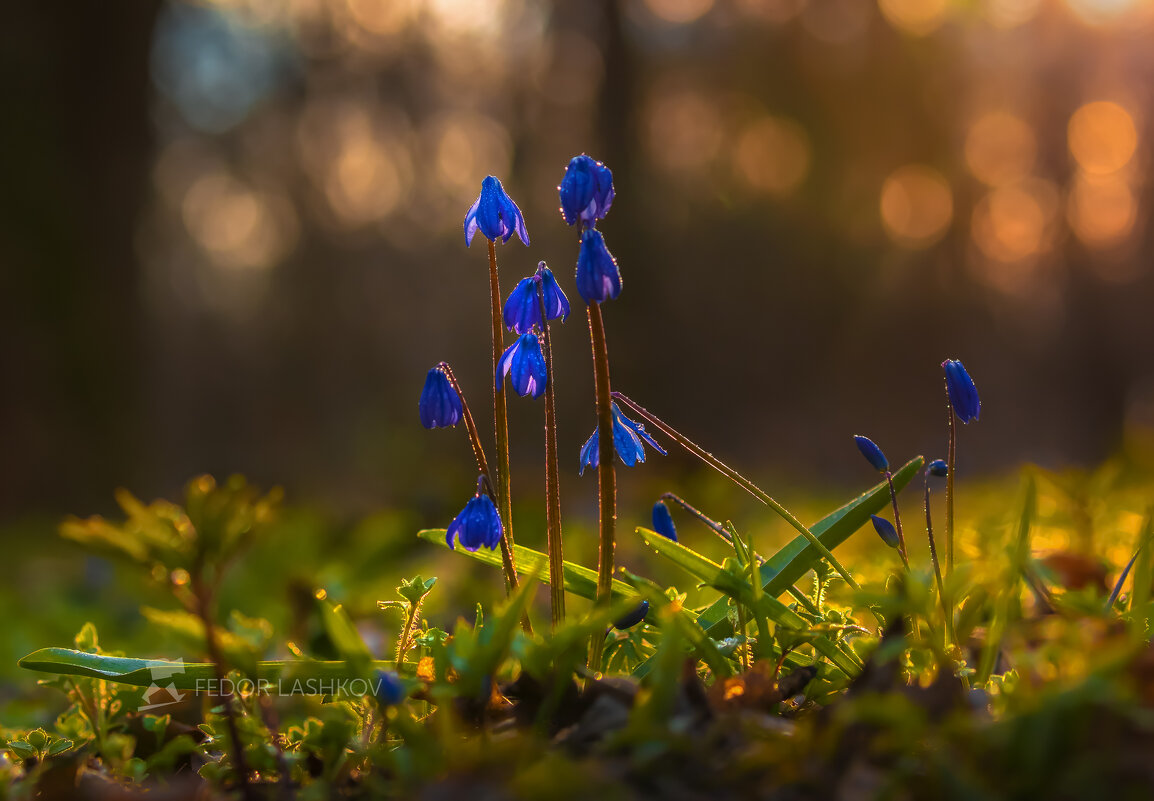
(231, 234)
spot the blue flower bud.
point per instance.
(872, 453)
(586, 191)
(523, 309)
(663, 521)
(556, 304)
(478, 524)
(390, 690)
(598, 278)
(524, 363)
(939, 468)
(631, 619)
(963, 394)
(440, 405)
(495, 214)
(885, 530)
(628, 437)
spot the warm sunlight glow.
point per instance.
(1102, 137)
(679, 11)
(916, 206)
(918, 17)
(1101, 210)
(683, 129)
(1000, 148)
(772, 155)
(1010, 222)
(236, 225)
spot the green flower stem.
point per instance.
(951, 458)
(606, 475)
(742, 482)
(501, 431)
(552, 480)
(947, 612)
(470, 424)
(203, 609)
(898, 521)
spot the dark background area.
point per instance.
(230, 234)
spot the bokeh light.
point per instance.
(1101, 210)
(683, 129)
(236, 225)
(1012, 223)
(917, 17)
(679, 11)
(1007, 14)
(772, 155)
(1000, 148)
(916, 206)
(1102, 137)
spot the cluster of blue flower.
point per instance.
(586, 194)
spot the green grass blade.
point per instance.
(185, 675)
(578, 580)
(711, 573)
(799, 556)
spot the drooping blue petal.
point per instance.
(885, 530)
(639, 430)
(938, 468)
(872, 453)
(527, 369)
(440, 405)
(505, 363)
(598, 278)
(632, 618)
(586, 191)
(963, 394)
(628, 438)
(477, 525)
(663, 521)
(590, 456)
(522, 310)
(556, 304)
(494, 214)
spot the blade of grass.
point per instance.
(578, 580)
(798, 557)
(717, 577)
(185, 675)
(1019, 557)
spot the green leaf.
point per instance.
(732, 584)
(185, 675)
(341, 630)
(578, 580)
(798, 557)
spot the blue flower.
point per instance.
(478, 524)
(586, 191)
(627, 441)
(495, 214)
(663, 521)
(938, 468)
(885, 530)
(390, 690)
(440, 405)
(523, 309)
(632, 618)
(963, 394)
(598, 278)
(524, 362)
(872, 453)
